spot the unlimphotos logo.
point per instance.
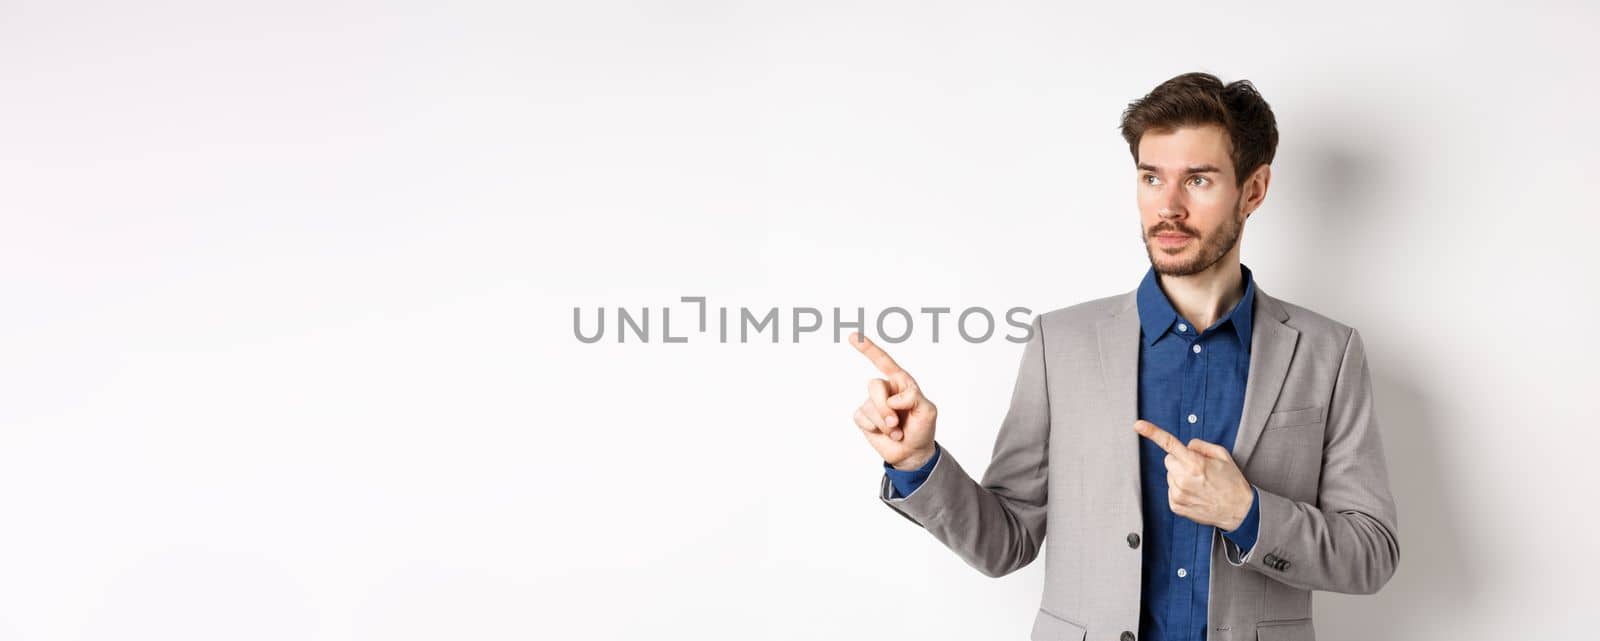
(893, 324)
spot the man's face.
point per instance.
(1189, 206)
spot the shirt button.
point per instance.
(1182, 573)
(1197, 348)
(1127, 636)
(1182, 327)
(1133, 540)
(1193, 418)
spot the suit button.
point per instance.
(1283, 564)
(1133, 540)
(1270, 559)
(1127, 636)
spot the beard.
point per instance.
(1212, 247)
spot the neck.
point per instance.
(1204, 297)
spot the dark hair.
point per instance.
(1194, 99)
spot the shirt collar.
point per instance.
(1156, 314)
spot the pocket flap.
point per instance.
(1294, 417)
(1287, 630)
(1049, 627)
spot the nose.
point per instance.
(1172, 204)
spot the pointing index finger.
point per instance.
(875, 354)
(1164, 439)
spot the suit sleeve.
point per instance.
(1347, 542)
(996, 526)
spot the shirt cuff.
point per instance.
(1244, 536)
(906, 482)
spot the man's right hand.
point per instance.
(896, 418)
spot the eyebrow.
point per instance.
(1193, 169)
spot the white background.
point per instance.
(287, 351)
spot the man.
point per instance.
(1202, 455)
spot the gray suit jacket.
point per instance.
(1066, 462)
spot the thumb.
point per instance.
(902, 401)
(908, 397)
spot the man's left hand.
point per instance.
(1204, 485)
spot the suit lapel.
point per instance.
(1271, 347)
(1119, 363)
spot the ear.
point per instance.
(1255, 188)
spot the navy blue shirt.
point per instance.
(1191, 383)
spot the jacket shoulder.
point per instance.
(1312, 323)
(1085, 315)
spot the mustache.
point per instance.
(1173, 227)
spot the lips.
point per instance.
(1172, 240)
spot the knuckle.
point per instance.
(866, 412)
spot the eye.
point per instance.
(1208, 180)
(1147, 179)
